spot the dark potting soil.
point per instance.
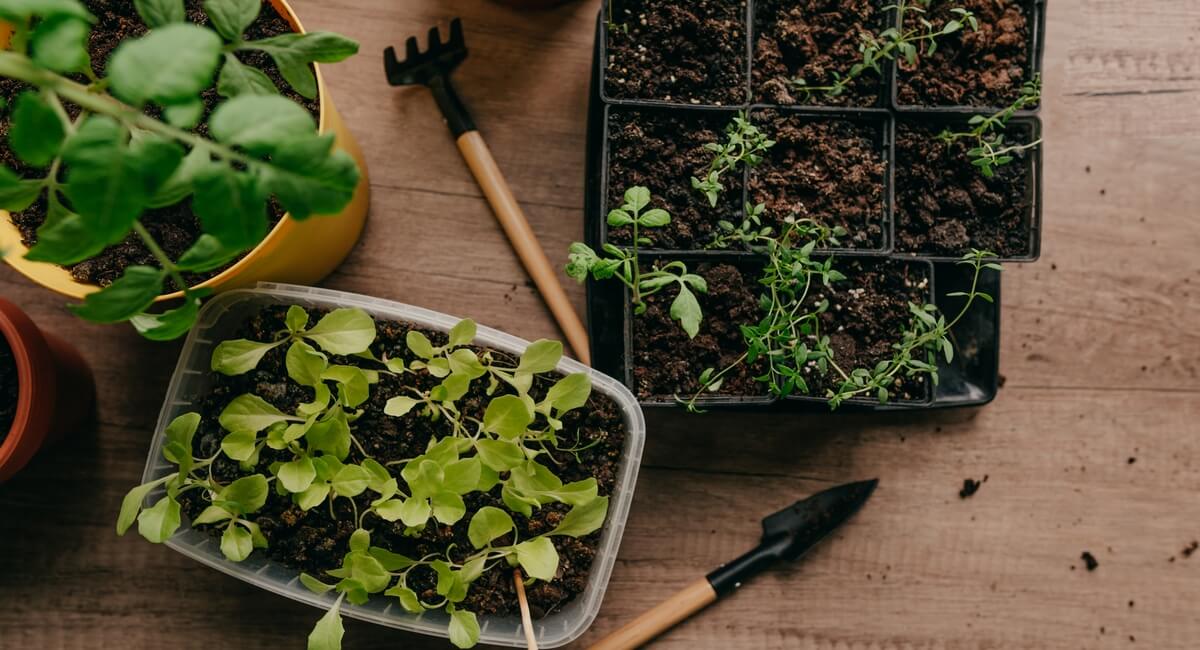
(663, 150)
(811, 40)
(828, 170)
(315, 542)
(945, 206)
(867, 313)
(174, 227)
(9, 389)
(667, 363)
(969, 68)
(686, 52)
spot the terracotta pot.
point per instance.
(294, 251)
(56, 393)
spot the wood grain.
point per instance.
(1101, 351)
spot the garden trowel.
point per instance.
(787, 535)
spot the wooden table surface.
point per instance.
(1093, 443)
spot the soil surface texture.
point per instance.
(9, 389)
(667, 363)
(174, 227)
(945, 206)
(315, 542)
(663, 150)
(971, 68)
(828, 170)
(811, 40)
(685, 52)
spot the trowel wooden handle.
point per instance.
(509, 213)
(691, 599)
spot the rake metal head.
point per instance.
(421, 67)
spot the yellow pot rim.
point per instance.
(59, 278)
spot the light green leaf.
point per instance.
(462, 333)
(415, 512)
(508, 416)
(462, 476)
(158, 523)
(236, 544)
(351, 480)
(391, 561)
(297, 475)
(36, 132)
(466, 363)
(232, 17)
(178, 435)
(686, 309)
(245, 495)
(212, 515)
(130, 295)
(541, 356)
(296, 319)
(184, 115)
(60, 44)
(419, 344)
(464, 629)
(583, 519)
(251, 413)
(408, 599)
(500, 455)
(170, 65)
(353, 386)
(305, 364)
(313, 496)
(156, 13)
(131, 504)
(637, 198)
(259, 123)
(239, 356)
(331, 435)
(448, 507)
(538, 557)
(237, 78)
(314, 585)
(487, 525)
(399, 406)
(343, 331)
(327, 635)
(571, 392)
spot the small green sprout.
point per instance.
(990, 149)
(744, 144)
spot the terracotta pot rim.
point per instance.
(32, 356)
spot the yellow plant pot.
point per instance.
(299, 252)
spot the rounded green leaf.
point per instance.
(570, 392)
(408, 599)
(343, 331)
(351, 480)
(464, 629)
(305, 364)
(245, 495)
(508, 416)
(297, 475)
(232, 17)
(399, 406)
(488, 524)
(36, 132)
(541, 356)
(328, 633)
(156, 13)
(237, 78)
(158, 523)
(212, 515)
(583, 519)
(419, 344)
(239, 356)
(462, 333)
(500, 455)
(448, 507)
(538, 558)
(129, 296)
(172, 64)
(236, 544)
(259, 122)
(250, 413)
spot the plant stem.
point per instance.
(160, 255)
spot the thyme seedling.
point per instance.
(625, 265)
(987, 132)
(319, 460)
(744, 144)
(885, 46)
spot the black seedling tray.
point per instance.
(1036, 10)
(971, 379)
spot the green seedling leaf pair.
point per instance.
(626, 267)
(105, 169)
(341, 331)
(744, 145)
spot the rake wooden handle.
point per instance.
(512, 219)
(664, 616)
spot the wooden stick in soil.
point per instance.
(526, 619)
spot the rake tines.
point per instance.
(420, 67)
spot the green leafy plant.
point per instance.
(626, 267)
(513, 446)
(113, 161)
(744, 145)
(908, 43)
(990, 149)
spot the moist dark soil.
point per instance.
(9, 390)
(811, 40)
(667, 363)
(984, 68)
(945, 206)
(867, 313)
(315, 542)
(174, 227)
(662, 151)
(686, 52)
(828, 170)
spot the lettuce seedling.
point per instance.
(109, 165)
(513, 445)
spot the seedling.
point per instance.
(744, 145)
(908, 43)
(111, 163)
(626, 267)
(320, 460)
(991, 150)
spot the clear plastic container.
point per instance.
(217, 322)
